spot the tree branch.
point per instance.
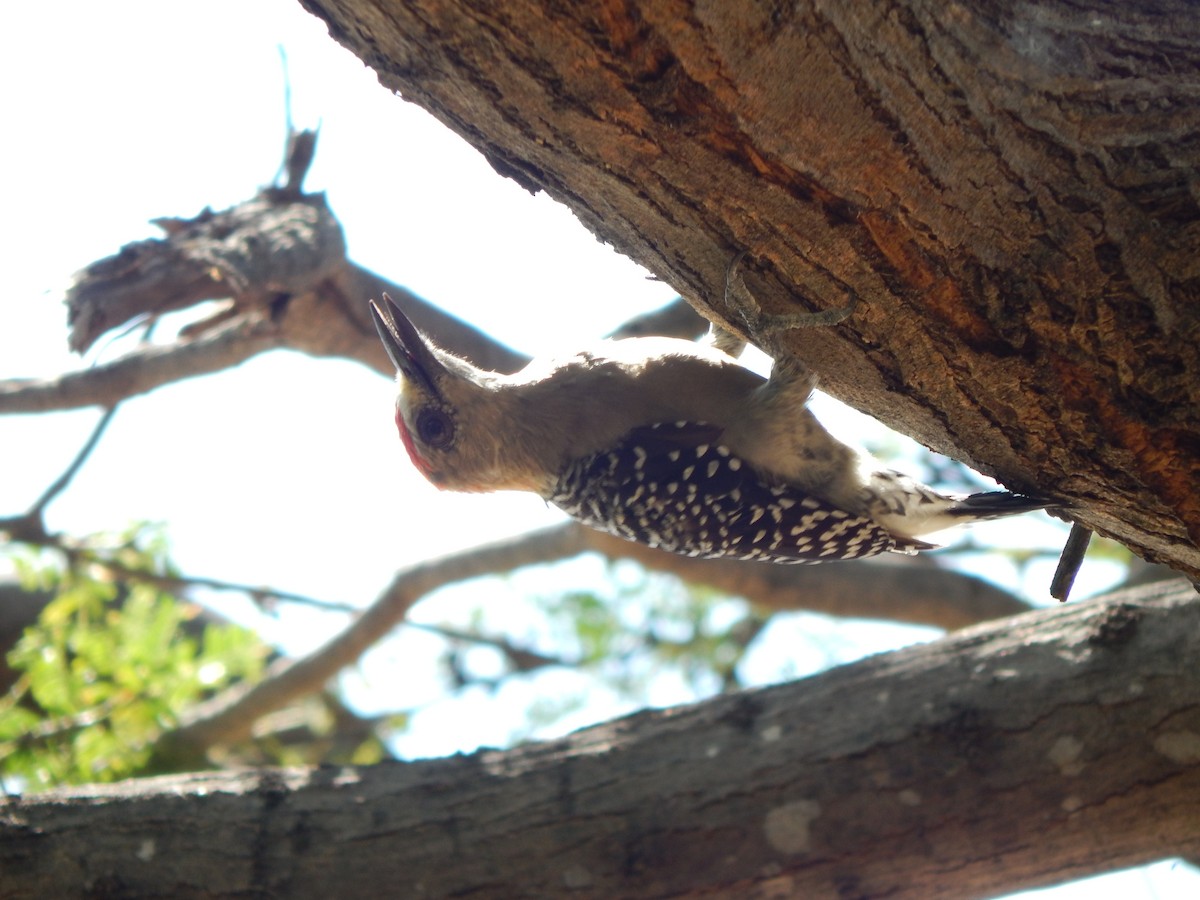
(994, 760)
(140, 372)
(229, 717)
(921, 595)
(909, 590)
(277, 258)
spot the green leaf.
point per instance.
(108, 677)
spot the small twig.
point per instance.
(145, 321)
(287, 91)
(522, 660)
(48, 729)
(70, 472)
(300, 147)
(30, 527)
(1070, 562)
(183, 582)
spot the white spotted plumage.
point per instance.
(727, 509)
(669, 443)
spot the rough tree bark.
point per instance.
(1010, 189)
(1014, 754)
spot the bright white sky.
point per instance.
(287, 471)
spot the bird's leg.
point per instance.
(761, 326)
(725, 340)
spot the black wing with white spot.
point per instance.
(674, 486)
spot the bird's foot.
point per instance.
(762, 326)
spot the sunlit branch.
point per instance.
(141, 371)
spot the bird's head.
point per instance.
(448, 412)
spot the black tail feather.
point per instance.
(997, 504)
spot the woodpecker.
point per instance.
(669, 443)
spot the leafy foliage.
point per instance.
(108, 667)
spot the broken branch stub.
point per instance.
(272, 245)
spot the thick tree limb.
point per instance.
(1010, 191)
(1006, 756)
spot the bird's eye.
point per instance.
(435, 428)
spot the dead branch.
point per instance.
(277, 259)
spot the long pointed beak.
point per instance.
(404, 344)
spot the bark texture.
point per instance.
(1009, 188)
(1054, 744)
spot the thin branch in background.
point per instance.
(522, 659)
(140, 371)
(30, 527)
(300, 147)
(229, 717)
(184, 582)
(60, 483)
(289, 121)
